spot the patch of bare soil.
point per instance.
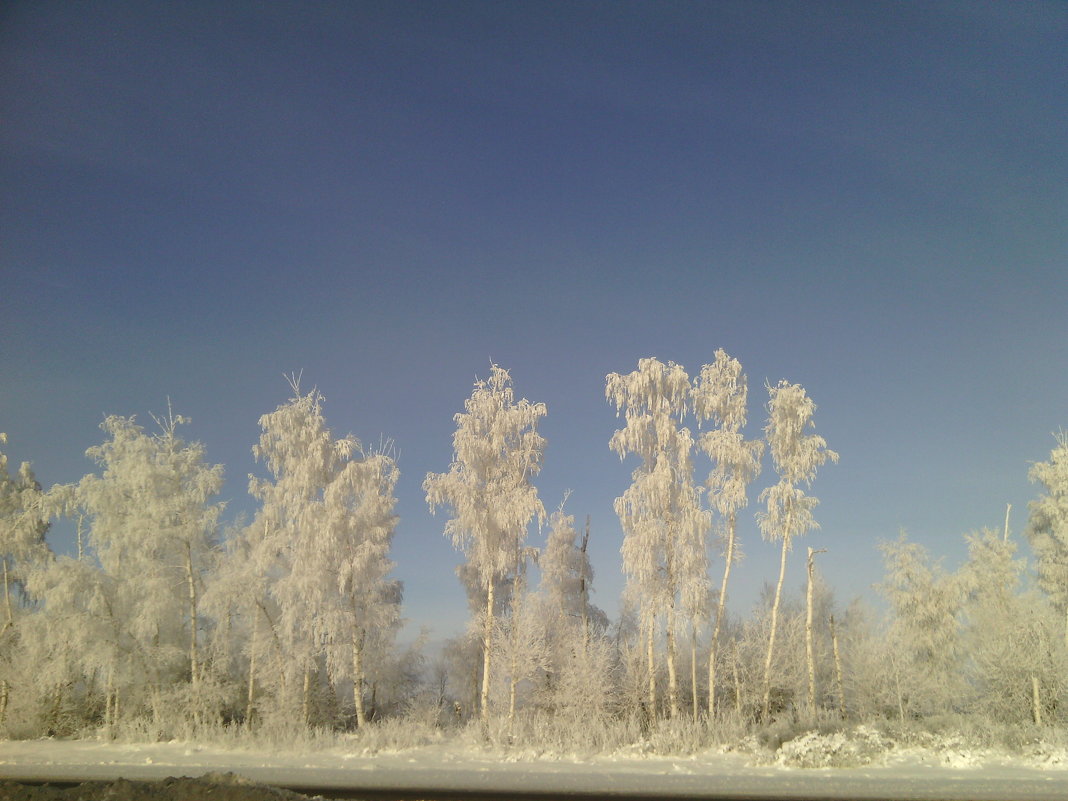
(209, 787)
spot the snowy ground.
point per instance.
(900, 773)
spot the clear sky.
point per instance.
(869, 199)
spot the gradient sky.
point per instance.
(869, 199)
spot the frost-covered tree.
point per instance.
(22, 547)
(496, 452)
(1047, 528)
(151, 538)
(796, 456)
(567, 579)
(320, 545)
(924, 637)
(720, 395)
(23, 525)
(1013, 659)
(664, 555)
(577, 680)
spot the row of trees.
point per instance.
(153, 617)
(163, 620)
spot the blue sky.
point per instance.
(868, 199)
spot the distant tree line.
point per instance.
(165, 623)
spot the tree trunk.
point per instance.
(650, 664)
(838, 670)
(306, 696)
(774, 625)
(673, 679)
(810, 652)
(1036, 700)
(357, 678)
(585, 593)
(487, 646)
(4, 692)
(7, 597)
(194, 667)
(252, 671)
(720, 609)
(737, 685)
(693, 669)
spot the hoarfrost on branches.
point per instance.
(797, 456)
(319, 548)
(496, 452)
(720, 395)
(664, 556)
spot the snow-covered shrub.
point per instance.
(837, 749)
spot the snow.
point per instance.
(943, 769)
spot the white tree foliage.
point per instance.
(1012, 660)
(151, 540)
(320, 545)
(720, 395)
(796, 456)
(496, 452)
(23, 525)
(1047, 528)
(664, 555)
(578, 680)
(924, 637)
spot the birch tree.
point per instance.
(496, 452)
(796, 456)
(1047, 529)
(664, 555)
(321, 543)
(152, 531)
(23, 525)
(720, 396)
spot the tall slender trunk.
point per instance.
(1036, 700)
(693, 669)
(585, 593)
(737, 684)
(720, 609)
(517, 621)
(7, 597)
(673, 679)
(650, 662)
(4, 692)
(487, 647)
(252, 670)
(358, 678)
(194, 666)
(306, 696)
(109, 692)
(810, 652)
(838, 670)
(774, 625)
